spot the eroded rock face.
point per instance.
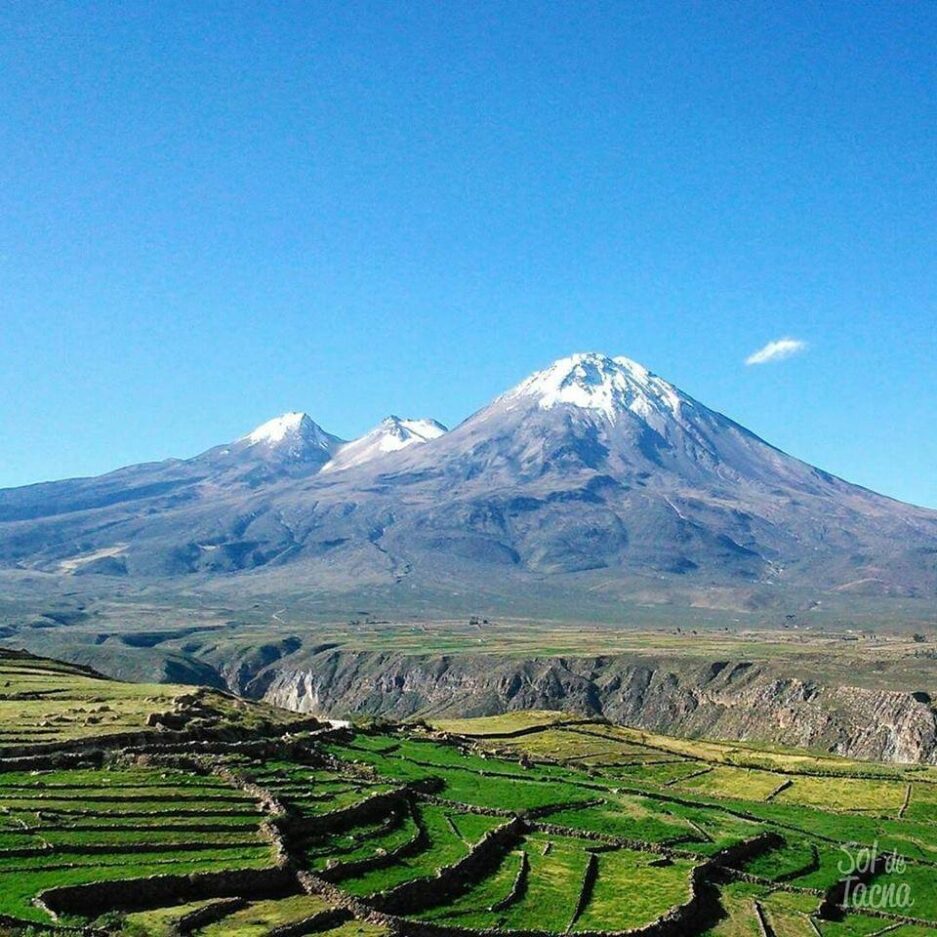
(722, 699)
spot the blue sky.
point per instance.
(211, 213)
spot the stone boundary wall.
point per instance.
(468, 808)
(740, 876)
(783, 786)
(323, 920)
(208, 914)
(687, 918)
(742, 815)
(410, 897)
(15, 925)
(606, 838)
(342, 870)
(577, 726)
(373, 807)
(740, 853)
(138, 893)
(895, 919)
(689, 777)
(145, 737)
(264, 797)
(589, 875)
(700, 910)
(518, 887)
(58, 761)
(905, 802)
(518, 733)
(315, 885)
(547, 809)
(835, 896)
(805, 869)
(120, 849)
(50, 798)
(764, 928)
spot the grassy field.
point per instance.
(48, 702)
(612, 823)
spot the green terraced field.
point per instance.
(532, 823)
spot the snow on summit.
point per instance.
(389, 435)
(279, 428)
(294, 433)
(592, 381)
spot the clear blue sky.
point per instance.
(214, 212)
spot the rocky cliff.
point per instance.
(721, 699)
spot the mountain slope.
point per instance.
(593, 476)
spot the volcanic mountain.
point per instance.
(593, 478)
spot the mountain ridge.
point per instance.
(594, 469)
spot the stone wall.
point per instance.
(342, 870)
(208, 914)
(137, 893)
(450, 881)
(371, 808)
(518, 887)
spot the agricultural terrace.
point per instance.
(254, 823)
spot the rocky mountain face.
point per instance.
(724, 699)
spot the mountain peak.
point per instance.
(391, 434)
(593, 381)
(411, 430)
(292, 423)
(294, 433)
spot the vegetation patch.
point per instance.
(216, 822)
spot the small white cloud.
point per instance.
(777, 350)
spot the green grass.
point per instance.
(508, 722)
(19, 885)
(259, 917)
(446, 846)
(472, 906)
(358, 843)
(882, 798)
(630, 890)
(553, 885)
(626, 817)
(160, 922)
(697, 796)
(724, 781)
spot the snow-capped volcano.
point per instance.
(597, 382)
(593, 468)
(294, 435)
(390, 435)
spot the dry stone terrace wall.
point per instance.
(281, 777)
(208, 914)
(208, 741)
(323, 921)
(452, 880)
(371, 808)
(518, 886)
(341, 869)
(681, 920)
(154, 891)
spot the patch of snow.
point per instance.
(598, 382)
(278, 429)
(390, 435)
(294, 433)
